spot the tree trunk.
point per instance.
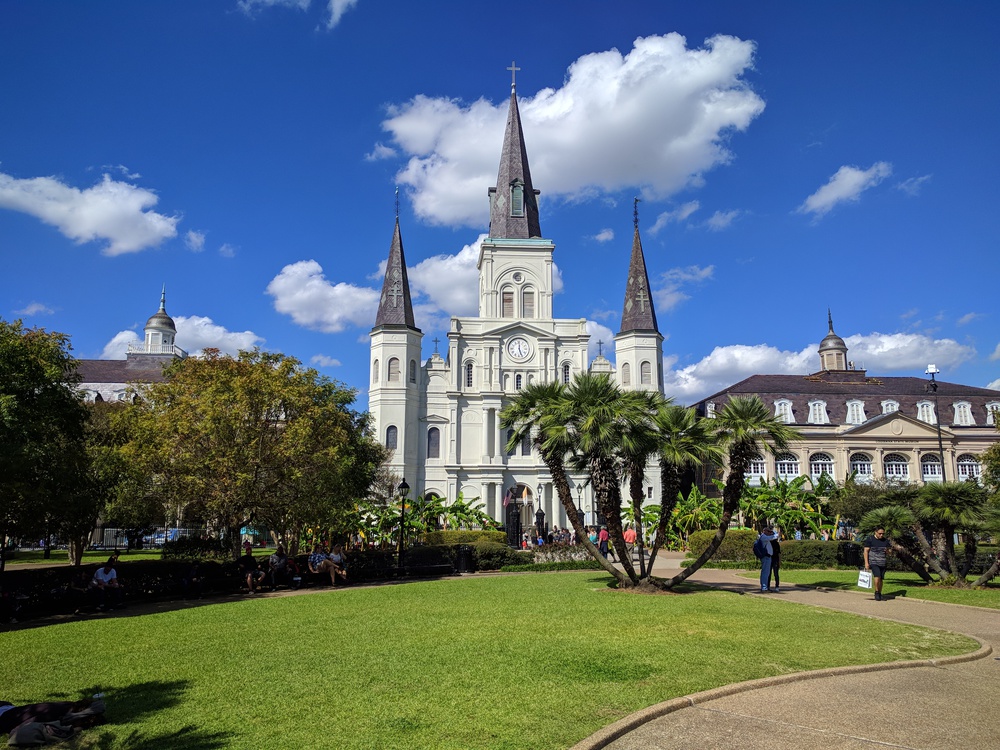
(928, 552)
(918, 567)
(636, 475)
(606, 488)
(989, 574)
(669, 487)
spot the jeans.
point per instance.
(765, 571)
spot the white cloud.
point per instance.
(35, 308)
(722, 220)
(322, 360)
(112, 211)
(194, 334)
(337, 10)
(667, 294)
(994, 385)
(195, 241)
(913, 185)
(656, 118)
(226, 250)
(968, 318)
(605, 235)
(603, 334)
(678, 215)
(381, 151)
(303, 292)
(846, 185)
(996, 354)
(450, 282)
(129, 174)
(878, 352)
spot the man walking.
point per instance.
(764, 551)
(876, 547)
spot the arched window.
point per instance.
(925, 412)
(889, 406)
(786, 466)
(517, 198)
(566, 373)
(413, 371)
(968, 467)
(391, 437)
(646, 373)
(526, 445)
(861, 467)
(393, 370)
(963, 414)
(930, 467)
(375, 371)
(856, 412)
(896, 467)
(468, 374)
(433, 443)
(626, 374)
(507, 303)
(817, 413)
(527, 304)
(820, 464)
(756, 472)
(98, 399)
(517, 382)
(783, 410)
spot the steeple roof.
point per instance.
(505, 223)
(638, 313)
(160, 320)
(395, 307)
(832, 340)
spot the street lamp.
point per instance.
(932, 370)
(540, 514)
(404, 490)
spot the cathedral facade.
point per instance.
(441, 418)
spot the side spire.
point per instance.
(514, 200)
(395, 307)
(163, 299)
(637, 312)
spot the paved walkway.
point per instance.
(939, 705)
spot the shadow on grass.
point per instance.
(132, 704)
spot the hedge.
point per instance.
(738, 547)
(590, 564)
(463, 537)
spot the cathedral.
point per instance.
(441, 417)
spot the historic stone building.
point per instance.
(441, 417)
(898, 428)
(108, 379)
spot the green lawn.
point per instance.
(90, 557)
(536, 661)
(895, 584)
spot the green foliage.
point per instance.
(464, 537)
(489, 556)
(737, 545)
(191, 548)
(544, 567)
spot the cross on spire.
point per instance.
(642, 298)
(397, 201)
(635, 211)
(600, 348)
(513, 72)
(435, 340)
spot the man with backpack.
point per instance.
(763, 551)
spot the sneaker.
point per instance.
(763, 589)
(776, 590)
(878, 596)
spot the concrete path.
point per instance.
(939, 705)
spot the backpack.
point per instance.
(759, 550)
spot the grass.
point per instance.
(535, 661)
(895, 584)
(90, 556)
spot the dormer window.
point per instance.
(925, 412)
(963, 413)
(517, 198)
(817, 413)
(856, 412)
(889, 406)
(991, 408)
(783, 410)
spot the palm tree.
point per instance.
(948, 508)
(899, 523)
(686, 441)
(744, 427)
(542, 413)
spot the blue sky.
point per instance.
(790, 156)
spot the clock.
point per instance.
(518, 348)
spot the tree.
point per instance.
(254, 439)
(744, 427)
(41, 428)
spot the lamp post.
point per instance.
(932, 370)
(404, 490)
(540, 514)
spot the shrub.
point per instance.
(590, 564)
(191, 548)
(463, 537)
(737, 546)
(551, 553)
(489, 556)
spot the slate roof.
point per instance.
(836, 387)
(637, 311)
(513, 166)
(120, 371)
(395, 307)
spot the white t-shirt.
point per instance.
(105, 577)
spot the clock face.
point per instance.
(518, 348)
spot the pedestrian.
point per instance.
(602, 540)
(876, 547)
(763, 550)
(775, 562)
(629, 536)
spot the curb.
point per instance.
(606, 735)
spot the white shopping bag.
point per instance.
(864, 579)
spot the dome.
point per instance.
(160, 321)
(832, 340)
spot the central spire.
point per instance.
(637, 312)
(513, 202)
(395, 307)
